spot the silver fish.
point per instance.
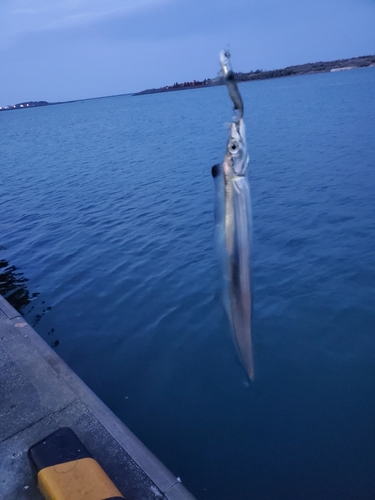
(233, 224)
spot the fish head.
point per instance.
(236, 155)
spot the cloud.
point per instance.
(22, 17)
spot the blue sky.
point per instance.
(57, 50)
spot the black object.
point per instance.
(59, 447)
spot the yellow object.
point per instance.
(81, 479)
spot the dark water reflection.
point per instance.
(13, 286)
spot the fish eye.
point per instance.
(233, 147)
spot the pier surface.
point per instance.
(39, 393)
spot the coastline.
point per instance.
(299, 69)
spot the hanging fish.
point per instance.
(233, 224)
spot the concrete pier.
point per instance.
(39, 393)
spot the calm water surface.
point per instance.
(107, 209)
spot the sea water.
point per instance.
(107, 216)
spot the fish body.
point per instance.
(233, 226)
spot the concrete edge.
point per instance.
(162, 477)
(7, 309)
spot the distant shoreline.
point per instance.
(300, 69)
(30, 104)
